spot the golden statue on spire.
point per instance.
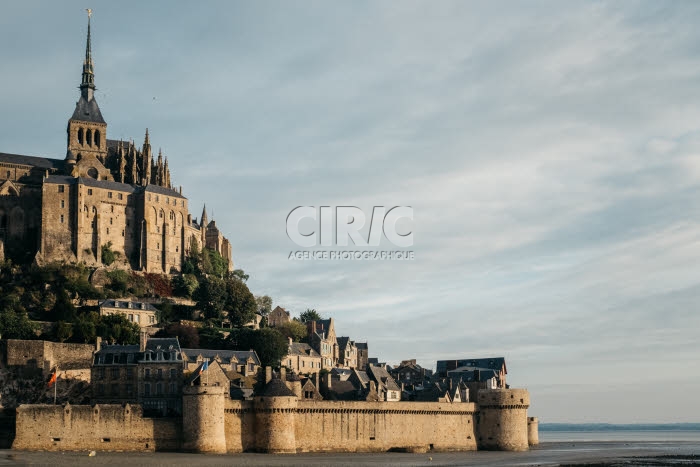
(89, 10)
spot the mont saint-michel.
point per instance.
(125, 327)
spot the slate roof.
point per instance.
(60, 179)
(472, 374)
(380, 375)
(34, 161)
(495, 363)
(300, 348)
(224, 355)
(361, 345)
(343, 342)
(277, 388)
(87, 111)
(163, 191)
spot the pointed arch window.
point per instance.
(81, 137)
(97, 138)
(88, 137)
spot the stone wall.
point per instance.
(45, 355)
(102, 427)
(383, 426)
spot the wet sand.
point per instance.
(547, 454)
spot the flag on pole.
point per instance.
(205, 367)
(52, 381)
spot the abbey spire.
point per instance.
(87, 130)
(87, 86)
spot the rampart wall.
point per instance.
(212, 422)
(102, 427)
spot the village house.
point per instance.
(362, 355)
(149, 373)
(143, 314)
(410, 374)
(244, 362)
(277, 317)
(347, 352)
(387, 389)
(302, 358)
(478, 369)
(323, 340)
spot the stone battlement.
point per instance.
(213, 423)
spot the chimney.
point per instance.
(283, 373)
(98, 343)
(268, 374)
(143, 338)
(290, 341)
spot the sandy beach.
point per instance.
(548, 453)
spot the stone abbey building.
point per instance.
(103, 192)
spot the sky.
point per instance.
(550, 152)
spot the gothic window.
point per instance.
(92, 173)
(97, 138)
(147, 389)
(80, 136)
(160, 214)
(88, 137)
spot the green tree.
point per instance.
(270, 345)
(264, 303)
(64, 310)
(211, 297)
(64, 331)
(108, 255)
(116, 329)
(118, 281)
(184, 285)
(187, 335)
(309, 315)
(294, 329)
(239, 273)
(240, 302)
(85, 328)
(210, 338)
(15, 324)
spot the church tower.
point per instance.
(87, 130)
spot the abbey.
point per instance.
(104, 193)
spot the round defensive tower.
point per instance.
(275, 417)
(203, 418)
(533, 431)
(502, 419)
